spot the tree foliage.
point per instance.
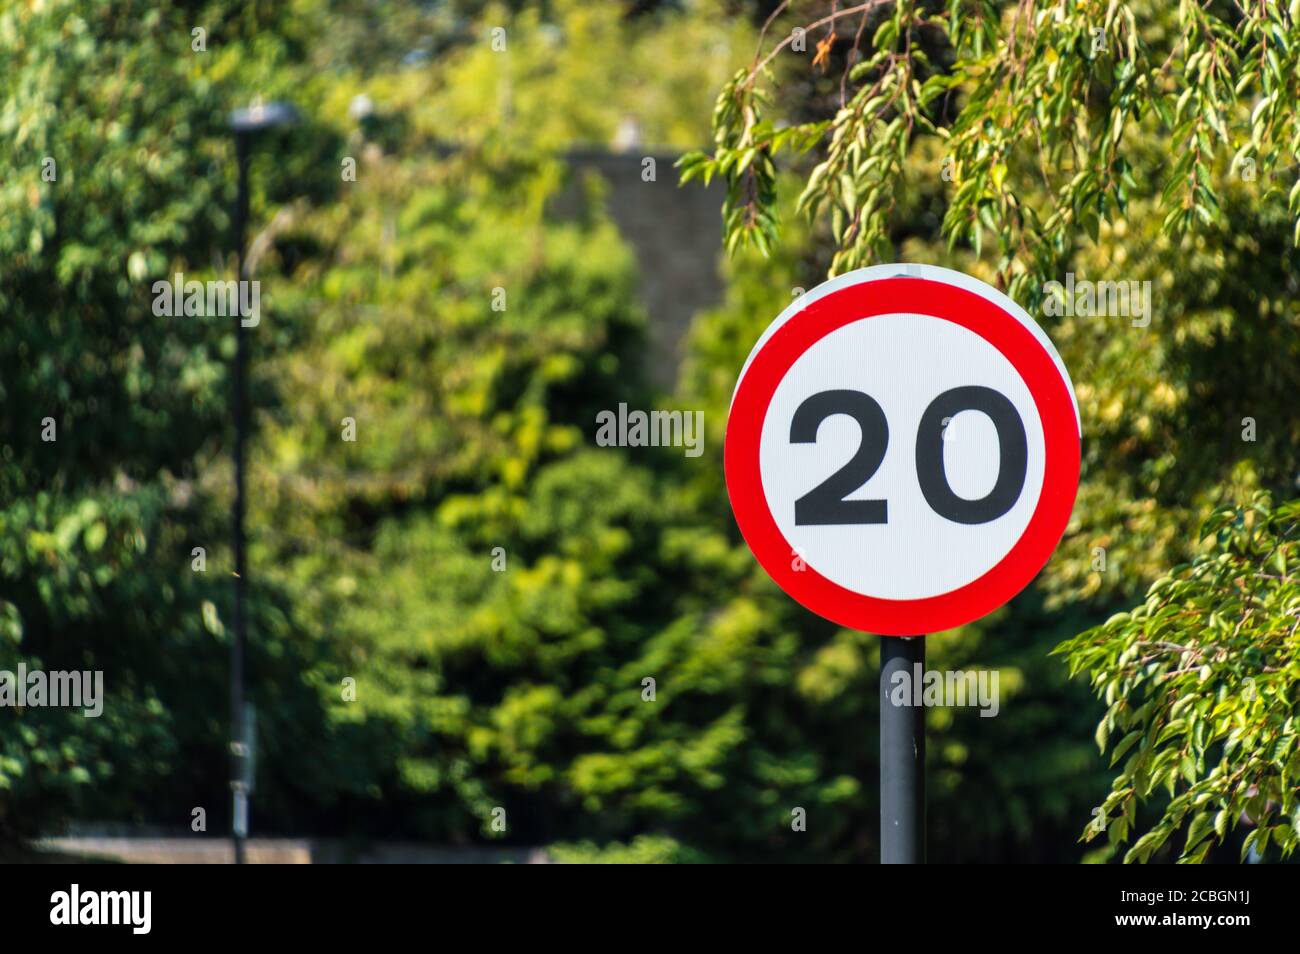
(1059, 94)
(499, 589)
(117, 175)
(94, 547)
(1202, 687)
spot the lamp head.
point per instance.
(259, 116)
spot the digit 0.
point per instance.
(1013, 455)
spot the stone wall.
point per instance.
(675, 233)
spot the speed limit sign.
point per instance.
(902, 451)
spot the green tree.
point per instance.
(475, 411)
(1202, 687)
(1059, 98)
(117, 174)
(98, 522)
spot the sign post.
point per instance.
(902, 758)
(902, 456)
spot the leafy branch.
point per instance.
(1202, 686)
(1041, 111)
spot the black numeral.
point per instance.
(1013, 455)
(825, 503)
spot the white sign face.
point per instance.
(903, 450)
(882, 557)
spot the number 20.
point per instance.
(825, 504)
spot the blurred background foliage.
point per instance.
(405, 688)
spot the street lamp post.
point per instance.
(244, 124)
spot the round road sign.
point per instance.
(902, 452)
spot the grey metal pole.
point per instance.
(902, 751)
(238, 788)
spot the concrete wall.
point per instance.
(676, 235)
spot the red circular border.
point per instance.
(1047, 385)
